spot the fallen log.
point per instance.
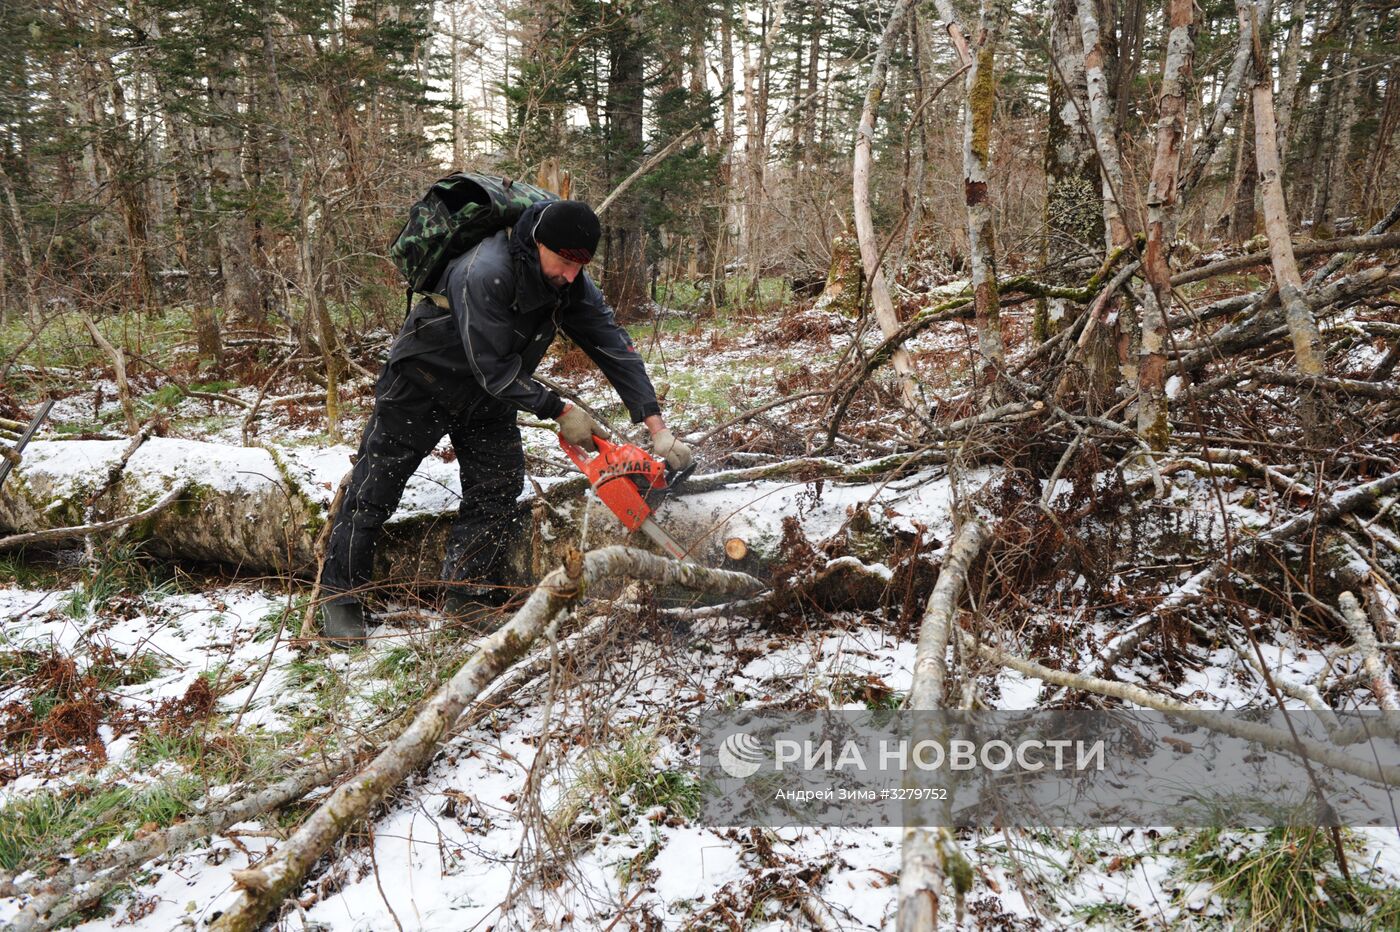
(1276, 738)
(266, 886)
(262, 508)
(53, 535)
(927, 857)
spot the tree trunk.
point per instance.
(981, 234)
(1320, 168)
(1380, 158)
(1302, 326)
(233, 231)
(1161, 201)
(1342, 189)
(1242, 215)
(1288, 78)
(625, 270)
(27, 272)
(1074, 220)
(1104, 122)
(865, 226)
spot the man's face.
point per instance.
(557, 270)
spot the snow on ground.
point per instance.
(460, 846)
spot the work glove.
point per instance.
(578, 428)
(676, 454)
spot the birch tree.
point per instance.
(880, 299)
(1161, 200)
(1302, 326)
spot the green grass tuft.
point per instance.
(1288, 878)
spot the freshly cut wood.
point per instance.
(277, 877)
(736, 548)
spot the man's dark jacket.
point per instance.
(477, 356)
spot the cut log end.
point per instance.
(736, 548)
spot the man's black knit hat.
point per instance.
(569, 228)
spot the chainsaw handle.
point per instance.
(579, 455)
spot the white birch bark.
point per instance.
(281, 874)
(1302, 326)
(1162, 192)
(1102, 121)
(880, 299)
(1377, 674)
(924, 857)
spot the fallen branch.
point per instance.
(752, 413)
(935, 631)
(1359, 626)
(1384, 391)
(1194, 588)
(961, 308)
(88, 879)
(53, 535)
(308, 621)
(924, 858)
(1275, 738)
(118, 371)
(274, 879)
(1351, 244)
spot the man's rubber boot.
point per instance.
(476, 612)
(343, 623)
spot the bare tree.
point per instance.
(1161, 200)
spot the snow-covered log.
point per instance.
(277, 877)
(242, 504)
(261, 509)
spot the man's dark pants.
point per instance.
(405, 426)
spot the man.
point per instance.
(464, 370)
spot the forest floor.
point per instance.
(134, 690)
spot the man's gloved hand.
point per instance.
(578, 428)
(676, 454)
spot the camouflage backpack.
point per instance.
(456, 213)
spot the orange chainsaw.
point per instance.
(631, 483)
